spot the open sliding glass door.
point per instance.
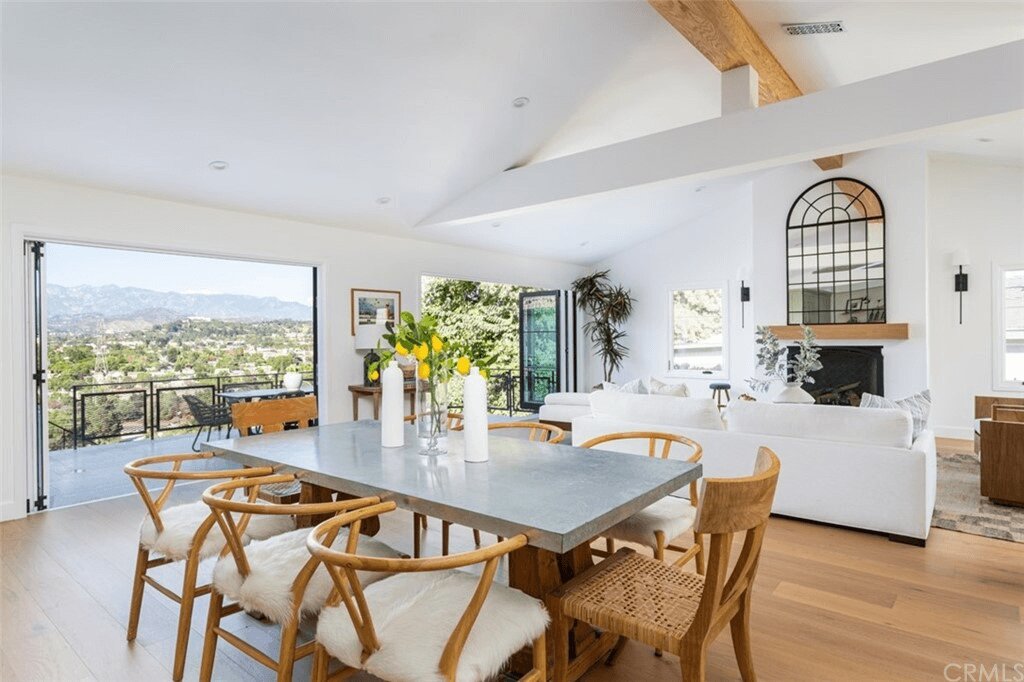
(540, 346)
(38, 470)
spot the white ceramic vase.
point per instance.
(292, 380)
(794, 393)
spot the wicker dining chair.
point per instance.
(275, 577)
(663, 606)
(668, 518)
(538, 432)
(184, 532)
(270, 416)
(418, 623)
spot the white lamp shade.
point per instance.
(960, 257)
(367, 335)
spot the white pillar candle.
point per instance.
(475, 417)
(392, 426)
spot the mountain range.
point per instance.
(132, 307)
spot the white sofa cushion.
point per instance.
(883, 427)
(562, 413)
(577, 399)
(699, 413)
(636, 386)
(415, 613)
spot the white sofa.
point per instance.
(562, 408)
(841, 465)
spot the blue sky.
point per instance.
(69, 265)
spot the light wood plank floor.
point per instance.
(830, 604)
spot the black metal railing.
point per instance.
(504, 390)
(61, 437)
(146, 408)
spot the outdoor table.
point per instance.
(248, 395)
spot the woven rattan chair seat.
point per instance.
(639, 597)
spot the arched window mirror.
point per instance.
(835, 248)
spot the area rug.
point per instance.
(959, 505)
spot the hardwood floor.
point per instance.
(829, 604)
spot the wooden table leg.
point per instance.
(412, 403)
(376, 406)
(538, 571)
(311, 493)
(355, 407)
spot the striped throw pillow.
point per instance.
(918, 405)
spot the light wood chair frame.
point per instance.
(270, 416)
(218, 498)
(347, 590)
(544, 433)
(729, 506)
(661, 543)
(139, 472)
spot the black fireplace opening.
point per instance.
(847, 372)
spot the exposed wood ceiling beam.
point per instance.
(903, 107)
(722, 34)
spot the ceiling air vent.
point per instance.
(814, 28)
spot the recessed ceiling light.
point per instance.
(383, 200)
(984, 139)
(699, 189)
(218, 165)
(495, 224)
(520, 102)
(584, 243)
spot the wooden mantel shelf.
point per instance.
(852, 332)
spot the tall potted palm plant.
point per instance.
(608, 306)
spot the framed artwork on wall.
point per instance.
(373, 307)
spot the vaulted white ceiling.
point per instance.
(322, 108)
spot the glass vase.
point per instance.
(432, 416)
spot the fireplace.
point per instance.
(847, 372)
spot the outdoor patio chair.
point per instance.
(207, 416)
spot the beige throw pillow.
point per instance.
(656, 387)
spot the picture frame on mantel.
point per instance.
(365, 304)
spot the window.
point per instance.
(1009, 355)
(698, 340)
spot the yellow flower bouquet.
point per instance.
(438, 361)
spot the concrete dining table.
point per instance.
(561, 497)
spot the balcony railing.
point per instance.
(150, 407)
(156, 406)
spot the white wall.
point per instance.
(53, 211)
(900, 177)
(706, 251)
(978, 207)
(748, 229)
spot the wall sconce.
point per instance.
(743, 274)
(960, 260)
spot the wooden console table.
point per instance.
(360, 391)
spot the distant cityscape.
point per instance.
(128, 335)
